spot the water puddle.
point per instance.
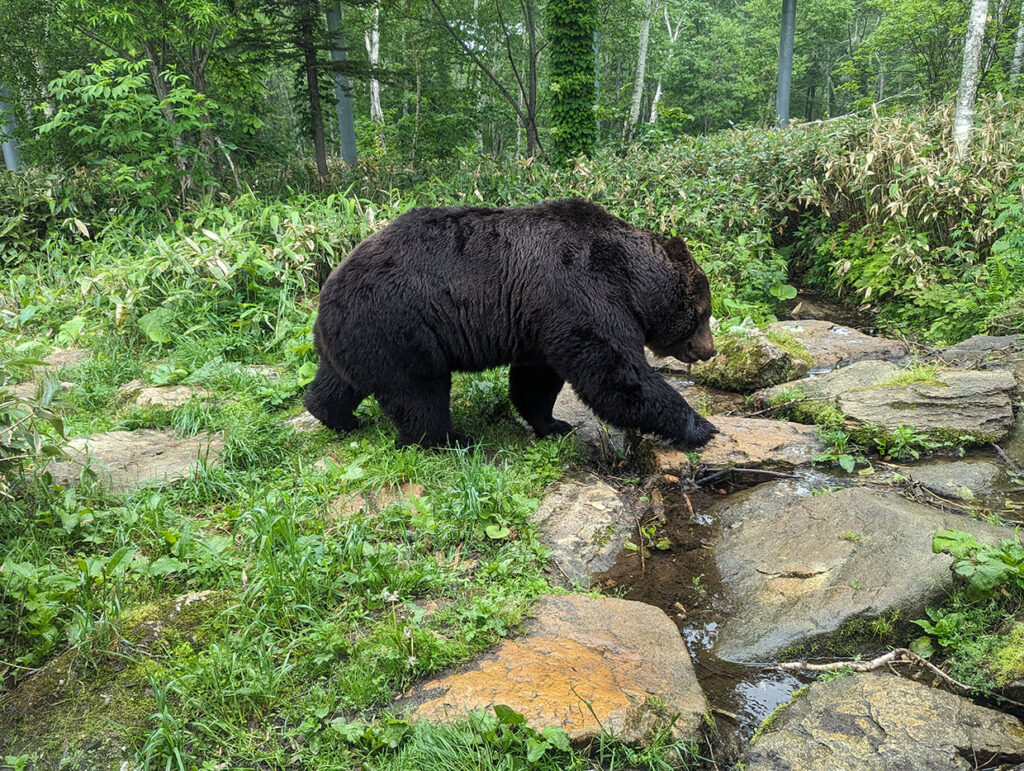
(682, 580)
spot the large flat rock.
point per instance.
(796, 567)
(880, 722)
(747, 443)
(124, 460)
(585, 665)
(833, 345)
(585, 523)
(947, 402)
(963, 479)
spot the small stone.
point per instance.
(65, 358)
(747, 443)
(124, 460)
(833, 345)
(304, 422)
(589, 666)
(585, 524)
(879, 722)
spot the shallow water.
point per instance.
(683, 581)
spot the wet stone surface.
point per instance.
(833, 345)
(879, 722)
(585, 665)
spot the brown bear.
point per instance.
(561, 291)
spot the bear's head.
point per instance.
(685, 331)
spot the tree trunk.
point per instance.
(532, 140)
(162, 90)
(963, 122)
(785, 80)
(12, 157)
(342, 87)
(307, 45)
(1018, 50)
(641, 67)
(372, 39)
(673, 36)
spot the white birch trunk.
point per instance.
(372, 38)
(1018, 50)
(12, 157)
(673, 36)
(641, 66)
(963, 121)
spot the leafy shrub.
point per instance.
(29, 428)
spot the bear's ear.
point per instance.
(676, 250)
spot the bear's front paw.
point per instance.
(554, 428)
(699, 433)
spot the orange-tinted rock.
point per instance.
(748, 443)
(621, 661)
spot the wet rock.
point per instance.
(944, 403)
(747, 443)
(797, 567)
(982, 351)
(966, 479)
(879, 722)
(586, 665)
(585, 524)
(124, 460)
(749, 359)
(833, 345)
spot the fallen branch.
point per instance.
(897, 656)
(1007, 460)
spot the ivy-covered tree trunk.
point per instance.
(10, 125)
(1018, 49)
(570, 31)
(641, 67)
(963, 121)
(307, 44)
(342, 87)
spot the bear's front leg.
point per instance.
(618, 384)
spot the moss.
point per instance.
(769, 721)
(1007, 658)
(853, 638)
(917, 374)
(746, 362)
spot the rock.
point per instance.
(752, 359)
(833, 345)
(75, 711)
(797, 567)
(880, 722)
(667, 364)
(269, 371)
(304, 422)
(965, 479)
(981, 350)
(124, 460)
(373, 501)
(589, 666)
(747, 443)
(602, 443)
(944, 403)
(585, 524)
(65, 358)
(168, 397)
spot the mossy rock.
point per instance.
(79, 712)
(751, 359)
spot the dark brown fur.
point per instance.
(562, 291)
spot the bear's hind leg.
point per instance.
(331, 400)
(533, 389)
(421, 411)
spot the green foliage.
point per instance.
(570, 29)
(986, 567)
(30, 428)
(132, 140)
